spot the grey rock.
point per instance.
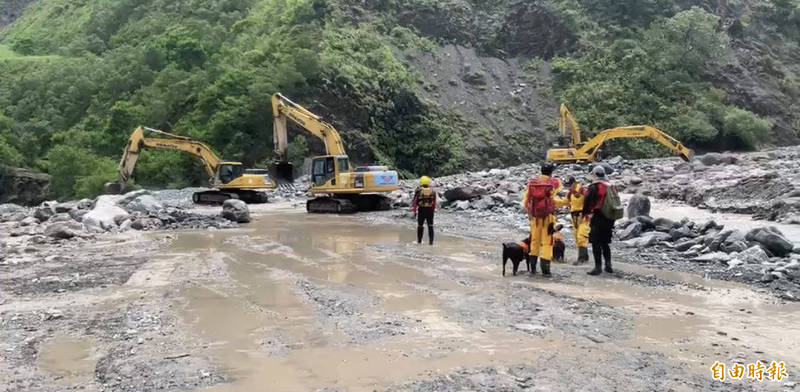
(44, 212)
(461, 193)
(663, 224)
(8, 208)
(632, 231)
(105, 215)
(146, 223)
(710, 225)
(713, 257)
(685, 245)
(639, 205)
(60, 217)
(62, 230)
(712, 159)
(772, 240)
(78, 214)
(636, 180)
(29, 221)
(144, 203)
(753, 255)
(236, 211)
(737, 246)
(462, 205)
(681, 232)
(66, 207)
(719, 239)
(647, 222)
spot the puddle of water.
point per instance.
(676, 211)
(70, 360)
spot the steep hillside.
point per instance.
(426, 86)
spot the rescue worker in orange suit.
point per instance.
(540, 201)
(580, 227)
(601, 228)
(423, 207)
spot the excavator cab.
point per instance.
(229, 171)
(327, 168)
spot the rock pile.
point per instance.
(138, 210)
(712, 243)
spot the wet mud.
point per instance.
(298, 302)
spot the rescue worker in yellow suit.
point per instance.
(580, 226)
(542, 223)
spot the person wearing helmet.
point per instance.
(423, 207)
(580, 227)
(601, 228)
(540, 202)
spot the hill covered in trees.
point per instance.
(427, 86)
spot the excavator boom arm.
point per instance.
(283, 108)
(637, 131)
(568, 121)
(138, 141)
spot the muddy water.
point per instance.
(270, 322)
(70, 360)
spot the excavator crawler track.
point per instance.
(219, 197)
(348, 204)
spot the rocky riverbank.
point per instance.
(758, 184)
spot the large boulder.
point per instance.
(753, 255)
(144, 203)
(461, 193)
(236, 211)
(484, 203)
(29, 221)
(78, 214)
(63, 230)
(105, 215)
(713, 158)
(638, 205)
(462, 205)
(772, 240)
(633, 230)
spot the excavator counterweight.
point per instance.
(588, 151)
(230, 179)
(337, 187)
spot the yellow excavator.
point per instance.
(589, 151)
(336, 185)
(230, 179)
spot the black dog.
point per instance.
(516, 252)
(558, 251)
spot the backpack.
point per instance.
(540, 198)
(612, 206)
(426, 197)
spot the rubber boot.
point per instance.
(419, 234)
(430, 235)
(583, 256)
(608, 268)
(532, 262)
(597, 269)
(545, 267)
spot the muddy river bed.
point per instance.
(298, 302)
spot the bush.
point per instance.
(76, 172)
(744, 129)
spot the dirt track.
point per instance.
(301, 302)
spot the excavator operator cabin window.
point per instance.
(344, 165)
(318, 171)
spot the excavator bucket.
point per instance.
(283, 172)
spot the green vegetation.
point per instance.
(79, 75)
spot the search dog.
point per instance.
(516, 252)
